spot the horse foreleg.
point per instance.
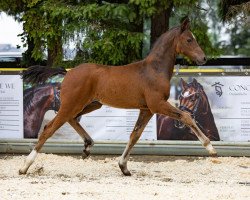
(88, 141)
(144, 117)
(47, 132)
(166, 108)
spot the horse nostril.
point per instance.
(205, 59)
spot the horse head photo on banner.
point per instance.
(193, 100)
(37, 101)
(40, 95)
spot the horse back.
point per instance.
(117, 86)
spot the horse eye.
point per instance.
(189, 40)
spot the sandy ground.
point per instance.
(98, 177)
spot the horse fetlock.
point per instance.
(88, 142)
(211, 149)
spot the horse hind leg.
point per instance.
(143, 119)
(48, 131)
(88, 141)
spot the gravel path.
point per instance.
(99, 177)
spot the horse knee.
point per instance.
(187, 119)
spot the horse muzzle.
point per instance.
(201, 61)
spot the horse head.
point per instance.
(188, 46)
(37, 101)
(193, 98)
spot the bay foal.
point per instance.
(143, 85)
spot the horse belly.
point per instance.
(121, 97)
(126, 102)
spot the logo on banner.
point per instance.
(218, 88)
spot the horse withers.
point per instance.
(143, 85)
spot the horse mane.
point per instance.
(39, 74)
(171, 33)
(29, 94)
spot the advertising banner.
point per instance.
(116, 124)
(220, 106)
(11, 106)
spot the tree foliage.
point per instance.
(235, 12)
(107, 32)
(230, 9)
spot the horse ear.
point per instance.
(185, 24)
(183, 84)
(195, 83)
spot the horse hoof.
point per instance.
(21, 172)
(126, 173)
(124, 170)
(85, 154)
(214, 155)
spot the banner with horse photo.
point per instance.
(220, 105)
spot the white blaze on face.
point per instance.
(186, 94)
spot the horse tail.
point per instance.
(40, 74)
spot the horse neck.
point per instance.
(163, 55)
(41, 100)
(205, 115)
